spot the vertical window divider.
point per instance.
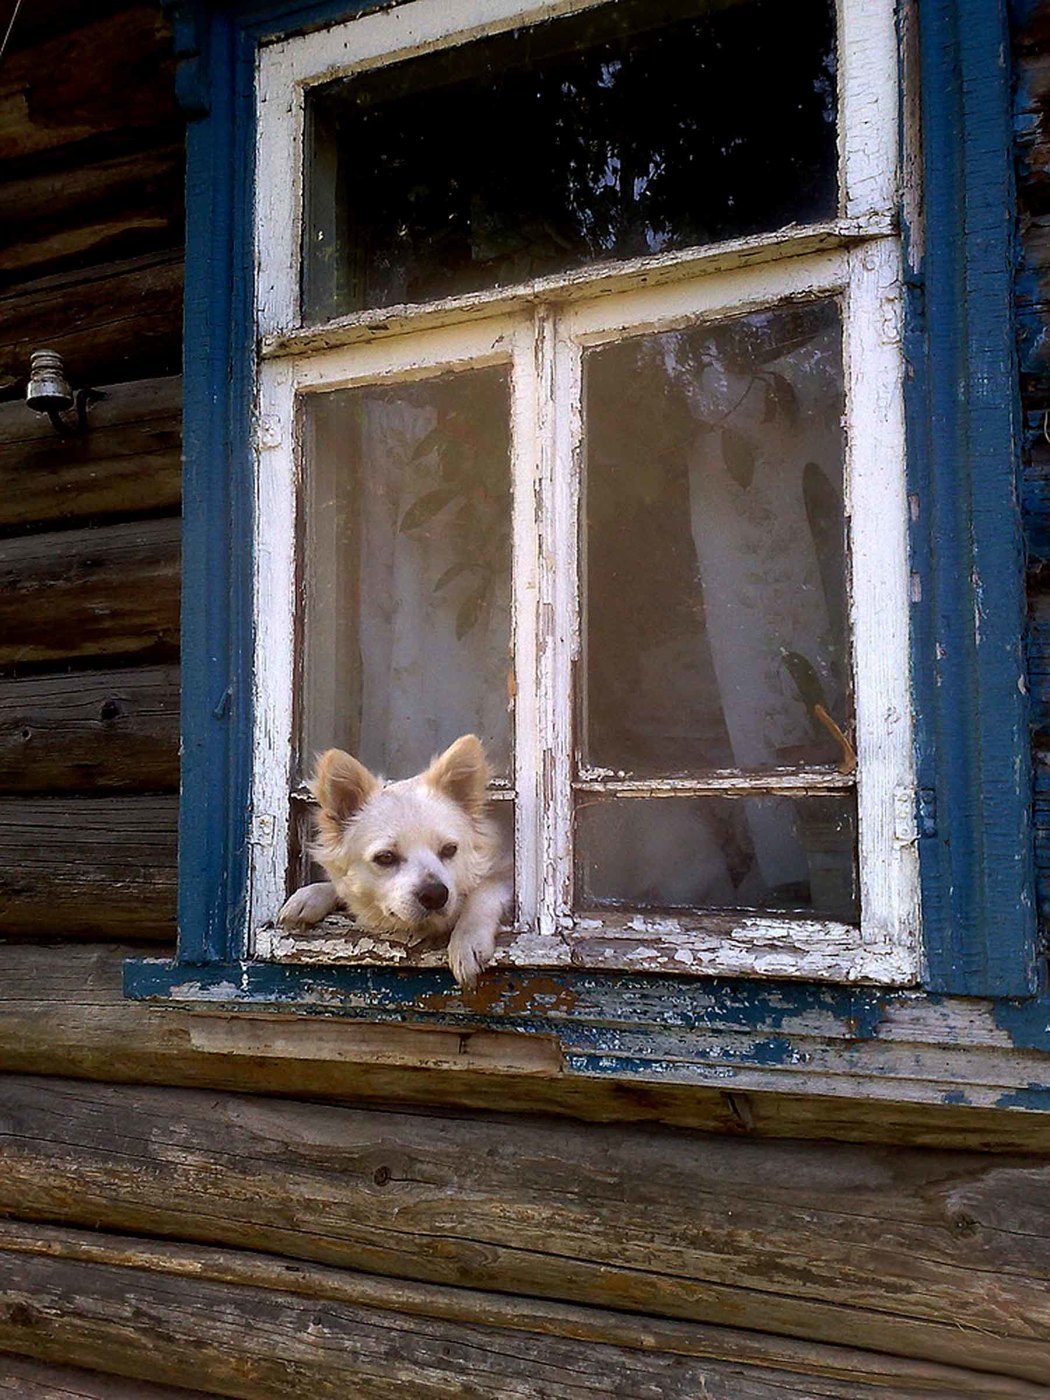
(558, 423)
(527, 640)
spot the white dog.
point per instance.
(410, 858)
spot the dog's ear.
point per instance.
(462, 773)
(341, 785)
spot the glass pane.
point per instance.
(759, 853)
(406, 570)
(715, 611)
(632, 128)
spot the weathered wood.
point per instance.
(67, 1016)
(35, 1380)
(74, 84)
(113, 591)
(121, 207)
(88, 867)
(932, 1255)
(128, 460)
(252, 1326)
(112, 323)
(90, 731)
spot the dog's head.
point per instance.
(403, 856)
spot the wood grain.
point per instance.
(123, 206)
(250, 1325)
(78, 82)
(939, 1256)
(66, 1015)
(36, 1380)
(111, 323)
(79, 594)
(128, 461)
(90, 731)
(88, 867)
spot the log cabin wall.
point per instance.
(196, 1204)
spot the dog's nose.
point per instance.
(433, 895)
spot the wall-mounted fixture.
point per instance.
(48, 392)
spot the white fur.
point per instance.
(418, 821)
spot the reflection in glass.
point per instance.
(758, 853)
(714, 529)
(631, 128)
(406, 570)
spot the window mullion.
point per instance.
(557, 364)
(527, 639)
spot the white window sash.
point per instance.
(855, 257)
(868, 122)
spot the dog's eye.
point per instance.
(386, 858)
(448, 850)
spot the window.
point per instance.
(580, 424)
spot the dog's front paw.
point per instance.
(309, 905)
(470, 951)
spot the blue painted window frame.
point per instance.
(963, 412)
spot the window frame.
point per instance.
(971, 707)
(859, 266)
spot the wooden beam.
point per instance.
(88, 867)
(111, 323)
(74, 83)
(129, 460)
(251, 1325)
(109, 592)
(65, 1014)
(124, 206)
(90, 731)
(37, 1380)
(934, 1255)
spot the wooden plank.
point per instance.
(111, 323)
(78, 82)
(112, 591)
(933, 1255)
(90, 731)
(250, 1325)
(67, 1016)
(88, 867)
(128, 461)
(35, 1380)
(123, 206)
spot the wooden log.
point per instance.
(936, 1256)
(36, 1380)
(88, 867)
(90, 731)
(123, 206)
(253, 1326)
(129, 460)
(77, 594)
(66, 1015)
(75, 83)
(116, 322)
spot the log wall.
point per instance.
(261, 1206)
(91, 182)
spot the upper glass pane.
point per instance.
(633, 128)
(405, 570)
(714, 534)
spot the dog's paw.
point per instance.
(470, 951)
(309, 905)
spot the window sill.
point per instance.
(841, 1043)
(711, 945)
